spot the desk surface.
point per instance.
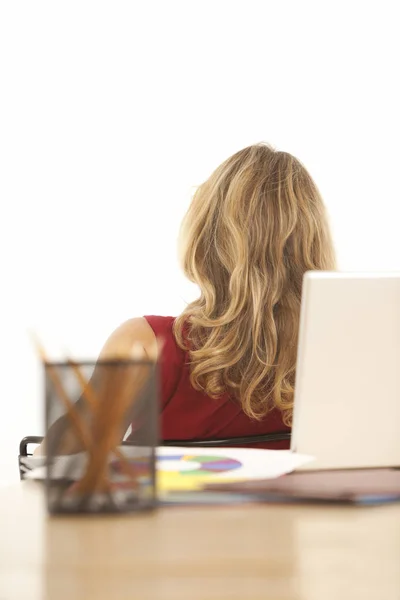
(239, 553)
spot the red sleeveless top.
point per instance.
(187, 414)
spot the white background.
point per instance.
(111, 112)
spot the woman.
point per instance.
(228, 361)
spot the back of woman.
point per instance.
(253, 229)
(190, 414)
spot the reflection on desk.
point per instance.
(307, 552)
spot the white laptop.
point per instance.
(347, 397)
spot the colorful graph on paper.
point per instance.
(189, 469)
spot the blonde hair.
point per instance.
(253, 229)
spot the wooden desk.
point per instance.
(242, 553)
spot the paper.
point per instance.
(188, 469)
(354, 485)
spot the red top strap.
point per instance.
(172, 358)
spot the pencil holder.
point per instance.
(89, 408)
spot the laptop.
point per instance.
(347, 395)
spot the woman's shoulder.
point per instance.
(133, 331)
(153, 333)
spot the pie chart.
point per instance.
(182, 472)
(186, 464)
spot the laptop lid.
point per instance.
(347, 395)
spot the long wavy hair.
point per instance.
(252, 230)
